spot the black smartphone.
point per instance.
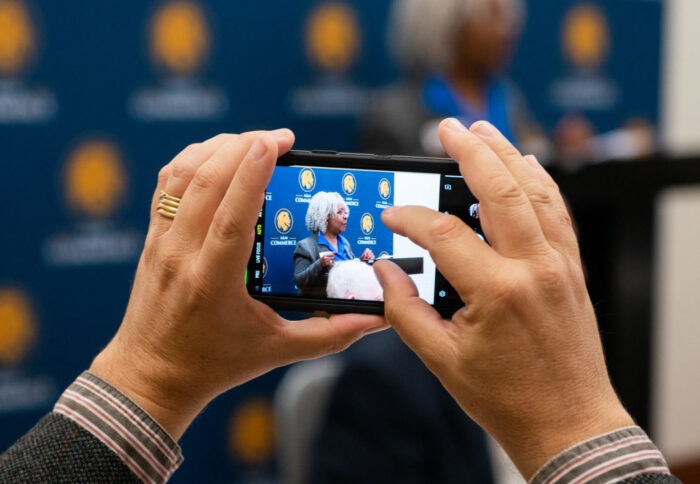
(320, 230)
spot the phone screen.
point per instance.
(320, 231)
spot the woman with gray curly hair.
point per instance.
(326, 219)
(454, 53)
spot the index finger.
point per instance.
(512, 226)
(461, 256)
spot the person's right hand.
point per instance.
(191, 331)
(328, 259)
(523, 356)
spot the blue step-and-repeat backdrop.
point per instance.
(97, 95)
(366, 193)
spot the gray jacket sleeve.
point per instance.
(58, 450)
(307, 271)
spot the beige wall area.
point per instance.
(681, 78)
(676, 342)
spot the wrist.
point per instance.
(151, 386)
(553, 437)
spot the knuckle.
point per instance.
(182, 170)
(337, 345)
(506, 189)
(163, 174)
(170, 263)
(565, 219)
(206, 177)
(551, 276)
(446, 227)
(226, 226)
(538, 196)
(223, 138)
(506, 288)
(189, 149)
(391, 312)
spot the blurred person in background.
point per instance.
(455, 54)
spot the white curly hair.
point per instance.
(322, 206)
(423, 33)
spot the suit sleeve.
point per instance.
(623, 456)
(306, 270)
(94, 434)
(58, 450)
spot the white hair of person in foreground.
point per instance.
(322, 206)
(424, 36)
(354, 279)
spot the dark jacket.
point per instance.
(389, 420)
(309, 275)
(58, 450)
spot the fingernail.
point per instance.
(281, 133)
(532, 161)
(455, 125)
(376, 329)
(258, 150)
(389, 211)
(484, 129)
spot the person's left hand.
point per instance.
(191, 331)
(367, 255)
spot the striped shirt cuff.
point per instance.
(606, 459)
(122, 426)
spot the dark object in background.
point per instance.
(390, 420)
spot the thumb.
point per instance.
(317, 337)
(420, 326)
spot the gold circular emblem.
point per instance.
(333, 37)
(17, 37)
(349, 184)
(95, 179)
(180, 37)
(307, 179)
(384, 188)
(17, 326)
(586, 37)
(284, 221)
(367, 224)
(264, 267)
(252, 432)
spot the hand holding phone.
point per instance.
(523, 355)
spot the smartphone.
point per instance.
(320, 230)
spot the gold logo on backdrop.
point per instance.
(349, 184)
(17, 326)
(17, 37)
(180, 38)
(384, 188)
(264, 267)
(307, 179)
(333, 37)
(252, 432)
(586, 35)
(95, 179)
(284, 221)
(367, 224)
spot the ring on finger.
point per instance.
(168, 205)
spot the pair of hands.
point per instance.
(523, 357)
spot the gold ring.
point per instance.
(168, 205)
